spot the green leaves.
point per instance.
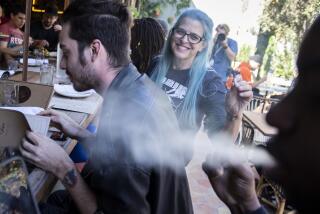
(286, 21)
(149, 8)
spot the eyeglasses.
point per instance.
(180, 33)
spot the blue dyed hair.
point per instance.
(198, 69)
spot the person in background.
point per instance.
(247, 69)
(136, 116)
(12, 51)
(3, 18)
(196, 91)
(295, 148)
(164, 26)
(224, 51)
(1, 14)
(13, 28)
(45, 33)
(147, 40)
(11, 39)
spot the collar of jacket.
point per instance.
(125, 77)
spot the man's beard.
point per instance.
(86, 80)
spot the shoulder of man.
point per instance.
(233, 44)
(232, 41)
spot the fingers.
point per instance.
(27, 146)
(246, 94)
(212, 172)
(28, 156)
(48, 112)
(28, 151)
(55, 117)
(212, 166)
(57, 28)
(33, 137)
(243, 87)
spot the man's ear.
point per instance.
(95, 49)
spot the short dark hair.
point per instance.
(108, 21)
(16, 8)
(147, 40)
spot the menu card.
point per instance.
(14, 124)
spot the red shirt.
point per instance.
(14, 35)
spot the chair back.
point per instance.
(261, 104)
(247, 133)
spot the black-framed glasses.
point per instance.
(180, 33)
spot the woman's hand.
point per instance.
(238, 97)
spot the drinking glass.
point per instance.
(46, 74)
(13, 65)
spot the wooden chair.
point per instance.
(271, 194)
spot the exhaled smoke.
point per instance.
(149, 136)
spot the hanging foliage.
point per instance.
(149, 8)
(285, 21)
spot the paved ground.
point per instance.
(204, 198)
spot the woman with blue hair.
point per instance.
(196, 91)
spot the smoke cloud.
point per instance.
(130, 133)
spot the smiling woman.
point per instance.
(195, 90)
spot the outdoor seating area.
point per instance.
(152, 107)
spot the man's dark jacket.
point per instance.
(136, 165)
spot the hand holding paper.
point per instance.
(66, 124)
(45, 153)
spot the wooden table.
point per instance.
(42, 182)
(258, 120)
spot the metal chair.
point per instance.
(261, 104)
(255, 103)
(247, 133)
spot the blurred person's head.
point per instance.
(296, 147)
(223, 28)
(187, 44)
(1, 13)
(255, 61)
(17, 15)
(164, 26)
(50, 16)
(94, 42)
(96, 7)
(147, 40)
